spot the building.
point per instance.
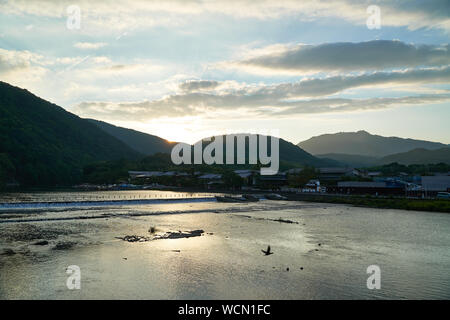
(369, 187)
(372, 174)
(294, 171)
(144, 174)
(150, 174)
(248, 176)
(434, 184)
(209, 180)
(312, 186)
(210, 176)
(337, 173)
(273, 181)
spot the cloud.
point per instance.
(21, 67)
(191, 97)
(335, 84)
(12, 60)
(314, 87)
(349, 105)
(89, 45)
(68, 80)
(178, 107)
(345, 56)
(139, 111)
(124, 14)
(271, 100)
(198, 85)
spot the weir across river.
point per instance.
(106, 200)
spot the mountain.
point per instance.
(143, 143)
(415, 156)
(43, 144)
(419, 156)
(352, 160)
(290, 154)
(364, 144)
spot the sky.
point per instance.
(184, 70)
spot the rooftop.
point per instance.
(338, 170)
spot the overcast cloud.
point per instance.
(120, 14)
(345, 56)
(273, 100)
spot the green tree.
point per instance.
(232, 180)
(7, 169)
(301, 178)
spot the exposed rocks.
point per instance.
(135, 238)
(41, 243)
(180, 234)
(284, 221)
(64, 245)
(167, 235)
(267, 219)
(8, 252)
(30, 232)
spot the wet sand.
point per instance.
(327, 250)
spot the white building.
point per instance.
(312, 186)
(435, 183)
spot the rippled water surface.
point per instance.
(327, 251)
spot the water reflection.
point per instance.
(411, 248)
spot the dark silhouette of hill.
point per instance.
(43, 144)
(289, 154)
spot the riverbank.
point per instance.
(434, 205)
(67, 195)
(376, 202)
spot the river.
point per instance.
(323, 253)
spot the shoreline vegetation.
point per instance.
(379, 202)
(433, 205)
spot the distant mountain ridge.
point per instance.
(362, 143)
(352, 160)
(415, 156)
(419, 156)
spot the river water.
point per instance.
(324, 254)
